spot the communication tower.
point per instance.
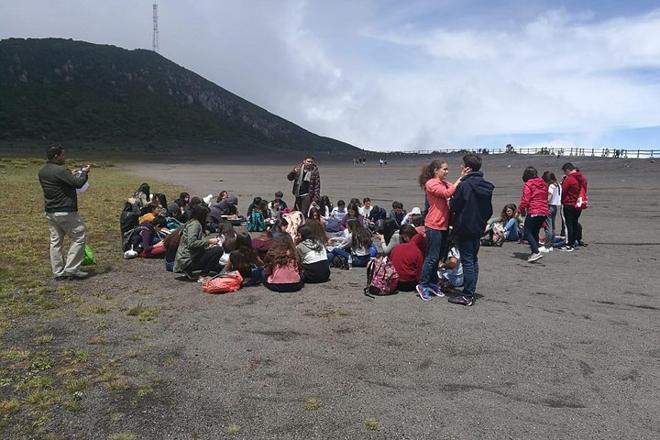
(155, 36)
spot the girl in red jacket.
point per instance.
(534, 205)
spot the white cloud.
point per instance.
(389, 75)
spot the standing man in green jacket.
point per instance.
(61, 206)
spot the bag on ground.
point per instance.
(89, 257)
(223, 283)
(382, 277)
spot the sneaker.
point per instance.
(424, 292)
(545, 250)
(566, 249)
(77, 275)
(203, 279)
(581, 243)
(535, 257)
(61, 277)
(436, 290)
(462, 300)
(129, 254)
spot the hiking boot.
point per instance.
(566, 249)
(545, 250)
(535, 257)
(462, 300)
(77, 275)
(424, 292)
(436, 290)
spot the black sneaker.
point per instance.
(189, 275)
(462, 300)
(566, 249)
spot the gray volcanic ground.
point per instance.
(568, 347)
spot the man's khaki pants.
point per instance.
(61, 224)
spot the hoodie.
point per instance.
(471, 205)
(570, 188)
(534, 198)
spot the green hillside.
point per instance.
(62, 90)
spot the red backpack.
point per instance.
(223, 283)
(382, 278)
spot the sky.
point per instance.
(403, 75)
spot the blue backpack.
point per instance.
(255, 222)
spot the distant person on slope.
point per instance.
(534, 205)
(61, 206)
(572, 189)
(306, 184)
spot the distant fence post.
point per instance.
(637, 154)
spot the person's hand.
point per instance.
(132, 200)
(86, 168)
(465, 171)
(214, 241)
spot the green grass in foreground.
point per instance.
(44, 375)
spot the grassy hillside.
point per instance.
(63, 90)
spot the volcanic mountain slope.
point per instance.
(63, 90)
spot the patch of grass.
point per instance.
(9, 406)
(312, 404)
(35, 382)
(14, 354)
(144, 391)
(372, 424)
(132, 354)
(143, 312)
(44, 339)
(233, 429)
(75, 385)
(119, 385)
(97, 340)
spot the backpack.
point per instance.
(256, 222)
(132, 240)
(582, 201)
(340, 262)
(223, 283)
(333, 225)
(382, 278)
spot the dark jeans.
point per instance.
(209, 261)
(532, 227)
(302, 204)
(406, 286)
(288, 287)
(573, 227)
(469, 250)
(435, 245)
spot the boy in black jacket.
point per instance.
(471, 205)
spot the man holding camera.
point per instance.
(61, 206)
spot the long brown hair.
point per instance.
(428, 171)
(282, 253)
(171, 242)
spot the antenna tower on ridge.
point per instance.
(155, 37)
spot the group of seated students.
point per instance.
(286, 248)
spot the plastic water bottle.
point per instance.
(350, 261)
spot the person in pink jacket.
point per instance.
(433, 179)
(534, 205)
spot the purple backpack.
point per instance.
(382, 278)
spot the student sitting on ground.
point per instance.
(325, 206)
(245, 261)
(195, 251)
(407, 220)
(352, 213)
(161, 200)
(407, 259)
(256, 217)
(450, 272)
(282, 267)
(293, 220)
(508, 225)
(143, 195)
(150, 238)
(277, 205)
(151, 211)
(397, 213)
(366, 207)
(389, 236)
(177, 208)
(376, 218)
(311, 250)
(339, 212)
(355, 246)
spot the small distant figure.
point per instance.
(306, 184)
(381, 162)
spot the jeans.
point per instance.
(511, 230)
(469, 250)
(435, 242)
(61, 224)
(533, 225)
(303, 203)
(550, 226)
(573, 228)
(209, 261)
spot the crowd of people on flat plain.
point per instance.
(432, 250)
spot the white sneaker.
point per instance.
(130, 254)
(545, 250)
(534, 257)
